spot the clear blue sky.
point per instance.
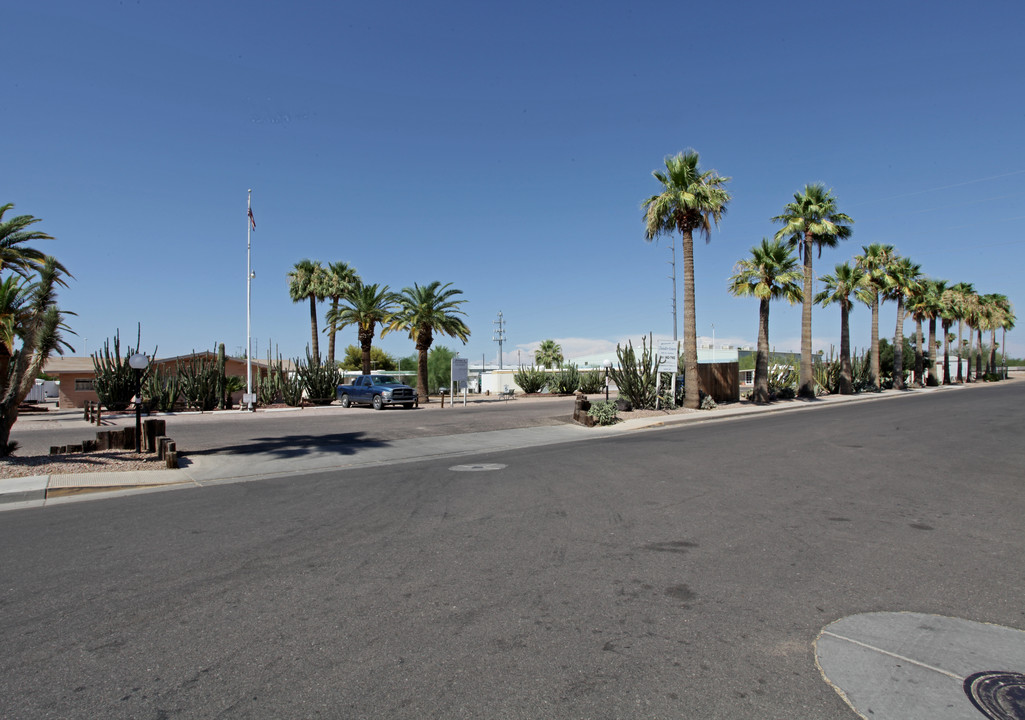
(505, 148)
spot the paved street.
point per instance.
(682, 572)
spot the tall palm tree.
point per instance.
(14, 297)
(423, 311)
(918, 309)
(958, 304)
(549, 354)
(1007, 320)
(845, 282)
(306, 283)
(970, 310)
(996, 305)
(365, 306)
(931, 306)
(771, 273)
(874, 260)
(689, 200)
(811, 220)
(904, 278)
(948, 315)
(339, 280)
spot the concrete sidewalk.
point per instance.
(197, 470)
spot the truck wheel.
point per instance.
(408, 406)
(378, 403)
(345, 400)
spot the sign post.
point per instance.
(460, 376)
(668, 362)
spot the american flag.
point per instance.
(252, 220)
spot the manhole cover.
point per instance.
(480, 467)
(997, 695)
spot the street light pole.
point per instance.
(138, 362)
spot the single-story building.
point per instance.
(76, 374)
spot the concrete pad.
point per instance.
(912, 666)
(22, 489)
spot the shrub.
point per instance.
(566, 380)
(708, 403)
(592, 381)
(635, 377)
(604, 413)
(198, 380)
(667, 400)
(531, 379)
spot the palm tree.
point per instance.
(811, 220)
(690, 200)
(970, 314)
(918, 308)
(771, 273)
(931, 307)
(847, 280)
(996, 305)
(14, 254)
(1007, 320)
(339, 280)
(958, 304)
(874, 260)
(423, 311)
(904, 278)
(549, 354)
(306, 282)
(948, 314)
(364, 306)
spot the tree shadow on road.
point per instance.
(297, 445)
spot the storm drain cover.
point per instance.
(479, 467)
(997, 695)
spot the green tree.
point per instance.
(41, 328)
(339, 280)
(874, 260)
(306, 282)
(423, 311)
(959, 304)
(549, 355)
(439, 367)
(1007, 320)
(15, 255)
(903, 281)
(689, 200)
(929, 306)
(379, 360)
(366, 307)
(811, 221)
(846, 284)
(771, 273)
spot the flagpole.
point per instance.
(249, 304)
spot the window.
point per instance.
(84, 385)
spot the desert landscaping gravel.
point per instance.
(102, 461)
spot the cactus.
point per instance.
(116, 381)
(320, 380)
(636, 377)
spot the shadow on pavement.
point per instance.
(292, 446)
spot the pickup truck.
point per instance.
(378, 391)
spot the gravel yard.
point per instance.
(101, 461)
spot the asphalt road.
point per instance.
(194, 432)
(673, 573)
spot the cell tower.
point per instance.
(499, 336)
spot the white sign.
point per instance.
(668, 354)
(460, 370)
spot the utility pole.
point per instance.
(499, 336)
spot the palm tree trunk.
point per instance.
(971, 351)
(315, 347)
(946, 352)
(991, 366)
(366, 341)
(691, 382)
(930, 356)
(960, 349)
(898, 348)
(421, 373)
(978, 354)
(873, 367)
(761, 389)
(919, 355)
(1003, 352)
(846, 384)
(807, 386)
(331, 333)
